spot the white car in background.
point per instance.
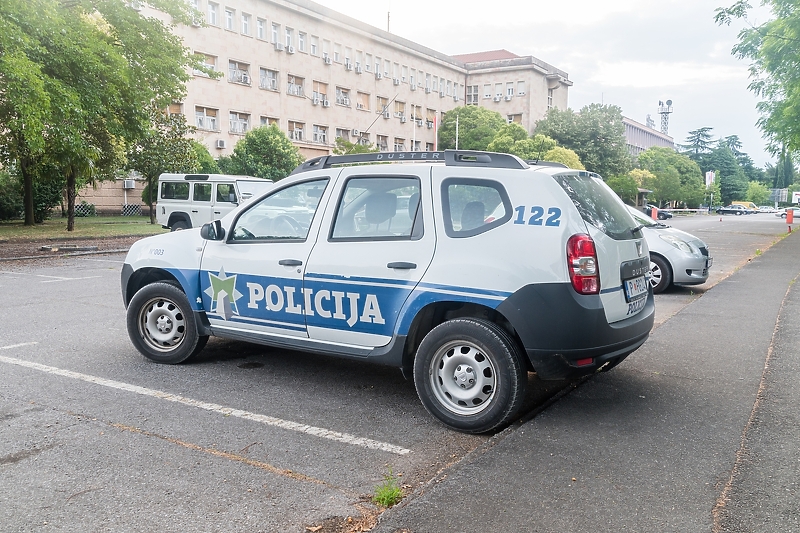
(676, 257)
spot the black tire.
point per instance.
(161, 324)
(660, 274)
(738, 213)
(468, 400)
(179, 225)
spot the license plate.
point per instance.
(635, 288)
(709, 262)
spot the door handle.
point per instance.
(403, 265)
(290, 262)
(194, 211)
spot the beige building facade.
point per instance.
(640, 137)
(319, 75)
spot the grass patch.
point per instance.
(758, 252)
(389, 492)
(85, 227)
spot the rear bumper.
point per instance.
(559, 327)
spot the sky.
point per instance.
(629, 53)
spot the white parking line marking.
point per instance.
(216, 408)
(51, 279)
(18, 345)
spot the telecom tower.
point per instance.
(664, 109)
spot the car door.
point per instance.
(371, 256)
(252, 281)
(224, 199)
(201, 203)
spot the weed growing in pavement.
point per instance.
(388, 493)
(758, 252)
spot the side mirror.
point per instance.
(212, 231)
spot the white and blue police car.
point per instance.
(466, 270)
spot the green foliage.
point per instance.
(559, 154)
(625, 186)
(676, 178)
(342, 146)
(757, 193)
(773, 49)
(48, 193)
(388, 493)
(86, 210)
(206, 163)
(265, 152)
(730, 176)
(10, 197)
(477, 126)
(596, 134)
(698, 142)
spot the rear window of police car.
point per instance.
(598, 205)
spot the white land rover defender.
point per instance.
(190, 200)
(466, 270)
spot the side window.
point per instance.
(284, 215)
(202, 192)
(384, 208)
(174, 190)
(472, 206)
(226, 193)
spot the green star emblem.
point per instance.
(223, 294)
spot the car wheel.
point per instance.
(161, 324)
(469, 374)
(179, 225)
(783, 215)
(660, 274)
(738, 213)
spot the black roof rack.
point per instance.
(457, 158)
(538, 163)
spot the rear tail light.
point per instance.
(584, 272)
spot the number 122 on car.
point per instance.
(536, 216)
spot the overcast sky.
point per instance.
(630, 53)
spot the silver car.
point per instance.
(676, 257)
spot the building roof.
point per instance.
(492, 55)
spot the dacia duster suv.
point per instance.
(466, 270)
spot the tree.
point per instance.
(666, 164)
(477, 126)
(698, 142)
(206, 163)
(76, 82)
(596, 134)
(342, 146)
(265, 152)
(559, 154)
(757, 193)
(773, 49)
(165, 147)
(625, 186)
(730, 176)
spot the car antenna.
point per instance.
(385, 108)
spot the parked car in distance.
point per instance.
(782, 213)
(660, 213)
(766, 209)
(676, 257)
(733, 209)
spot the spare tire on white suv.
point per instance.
(466, 270)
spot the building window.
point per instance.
(382, 141)
(449, 85)
(245, 24)
(289, 37)
(209, 61)
(314, 45)
(343, 96)
(387, 67)
(399, 109)
(268, 79)
(320, 91)
(429, 147)
(320, 134)
(205, 118)
(382, 104)
(326, 48)
(514, 119)
(296, 130)
(348, 55)
(337, 52)
(213, 10)
(362, 101)
(301, 41)
(261, 29)
(268, 121)
(342, 133)
(295, 87)
(238, 72)
(487, 90)
(510, 89)
(549, 98)
(368, 62)
(399, 144)
(276, 31)
(416, 112)
(229, 15)
(520, 88)
(239, 122)
(430, 117)
(472, 95)
(175, 108)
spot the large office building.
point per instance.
(319, 75)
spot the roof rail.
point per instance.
(538, 163)
(457, 158)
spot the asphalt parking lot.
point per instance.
(93, 437)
